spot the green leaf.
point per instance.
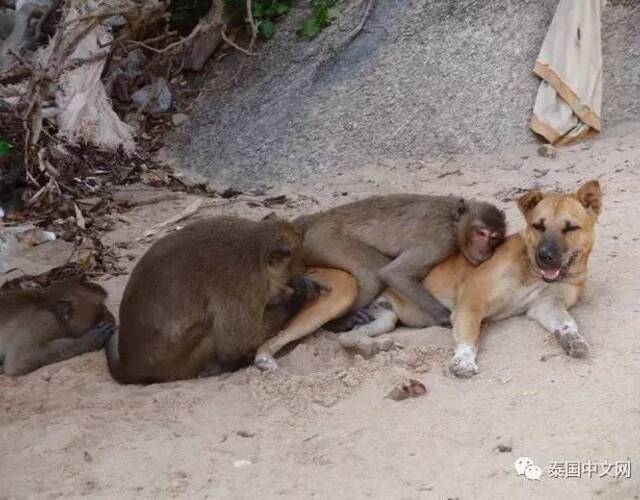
(5, 147)
(258, 10)
(270, 11)
(310, 28)
(266, 28)
(282, 8)
(321, 17)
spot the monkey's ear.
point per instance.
(63, 309)
(461, 208)
(270, 216)
(529, 200)
(590, 196)
(279, 254)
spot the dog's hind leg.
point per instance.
(552, 314)
(361, 338)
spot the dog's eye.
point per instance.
(568, 227)
(539, 226)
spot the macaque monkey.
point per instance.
(41, 326)
(396, 240)
(202, 299)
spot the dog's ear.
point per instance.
(590, 196)
(529, 200)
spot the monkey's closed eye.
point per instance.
(278, 255)
(481, 232)
(569, 227)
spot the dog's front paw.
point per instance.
(265, 363)
(463, 363)
(573, 344)
(463, 368)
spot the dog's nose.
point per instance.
(546, 255)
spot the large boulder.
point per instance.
(424, 77)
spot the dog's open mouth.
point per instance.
(551, 275)
(554, 274)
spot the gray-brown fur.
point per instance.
(394, 240)
(46, 325)
(202, 299)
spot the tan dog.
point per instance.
(540, 271)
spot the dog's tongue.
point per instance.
(551, 274)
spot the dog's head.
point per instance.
(560, 230)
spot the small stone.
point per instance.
(178, 119)
(547, 151)
(245, 434)
(504, 448)
(540, 172)
(155, 98)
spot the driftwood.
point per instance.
(188, 212)
(204, 39)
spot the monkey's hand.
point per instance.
(441, 315)
(306, 289)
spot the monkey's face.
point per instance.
(480, 242)
(480, 231)
(284, 253)
(560, 230)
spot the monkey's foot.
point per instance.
(573, 344)
(265, 363)
(463, 364)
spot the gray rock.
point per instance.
(424, 78)
(7, 19)
(155, 98)
(178, 119)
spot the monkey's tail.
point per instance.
(113, 360)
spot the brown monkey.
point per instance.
(396, 240)
(46, 325)
(201, 300)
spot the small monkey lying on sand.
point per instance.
(46, 325)
(202, 299)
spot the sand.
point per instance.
(321, 427)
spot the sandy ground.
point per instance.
(321, 427)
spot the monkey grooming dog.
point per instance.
(45, 325)
(475, 228)
(540, 271)
(201, 300)
(396, 240)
